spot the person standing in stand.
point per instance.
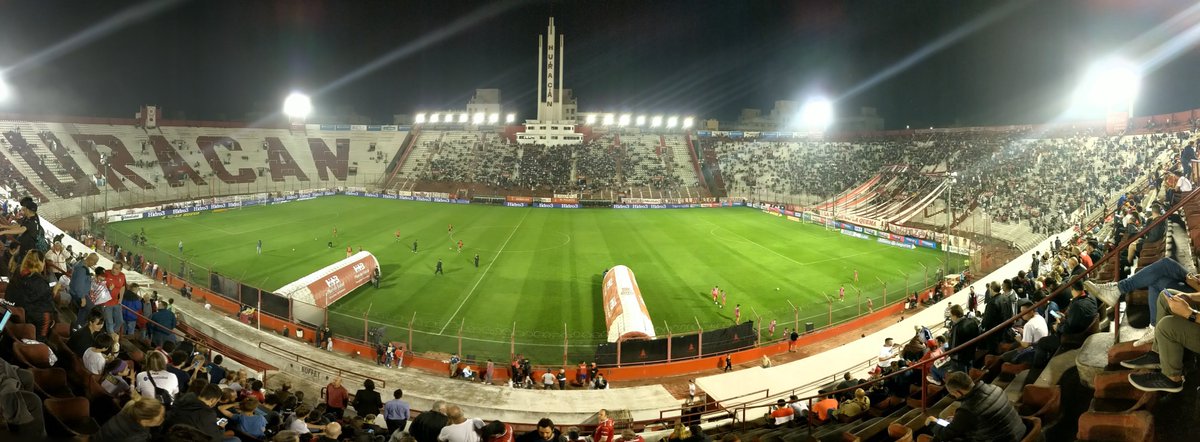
(336, 397)
(605, 428)
(792, 338)
(113, 319)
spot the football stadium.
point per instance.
(373, 222)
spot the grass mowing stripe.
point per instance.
(484, 275)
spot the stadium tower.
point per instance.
(555, 123)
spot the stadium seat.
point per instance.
(1041, 402)
(1137, 426)
(1033, 429)
(32, 355)
(21, 331)
(103, 406)
(1114, 394)
(69, 417)
(900, 433)
(52, 383)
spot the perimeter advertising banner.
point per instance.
(343, 280)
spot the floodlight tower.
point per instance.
(296, 107)
(1111, 84)
(5, 90)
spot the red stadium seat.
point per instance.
(70, 417)
(51, 383)
(32, 355)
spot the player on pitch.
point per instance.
(460, 245)
(716, 290)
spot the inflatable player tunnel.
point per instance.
(624, 310)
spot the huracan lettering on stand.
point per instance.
(281, 163)
(208, 147)
(174, 167)
(326, 160)
(117, 157)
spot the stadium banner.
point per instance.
(512, 204)
(625, 313)
(387, 128)
(567, 196)
(927, 243)
(519, 199)
(556, 206)
(793, 218)
(854, 234)
(557, 200)
(895, 243)
(541, 200)
(374, 128)
(359, 127)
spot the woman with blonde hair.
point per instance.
(134, 422)
(30, 290)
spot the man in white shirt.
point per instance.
(888, 353)
(1184, 184)
(1035, 329)
(460, 429)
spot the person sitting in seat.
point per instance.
(984, 413)
(1178, 330)
(780, 413)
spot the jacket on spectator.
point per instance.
(134, 306)
(122, 428)
(962, 331)
(164, 322)
(32, 293)
(367, 402)
(427, 426)
(1080, 314)
(81, 282)
(984, 415)
(189, 410)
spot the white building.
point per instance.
(555, 123)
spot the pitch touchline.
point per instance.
(485, 272)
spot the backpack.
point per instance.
(42, 245)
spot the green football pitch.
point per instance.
(540, 269)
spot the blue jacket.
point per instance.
(164, 321)
(81, 281)
(134, 305)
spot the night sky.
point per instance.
(988, 62)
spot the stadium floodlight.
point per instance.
(510, 118)
(297, 106)
(420, 119)
(688, 122)
(608, 119)
(624, 120)
(435, 118)
(493, 118)
(656, 121)
(462, 118)
(817, 114)
(5, 90)
(1108, 85)
(672, 121)
(640, 120)
(479, 118)
(590, 119)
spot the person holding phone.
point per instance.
(1178, 330)
(984, 413)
